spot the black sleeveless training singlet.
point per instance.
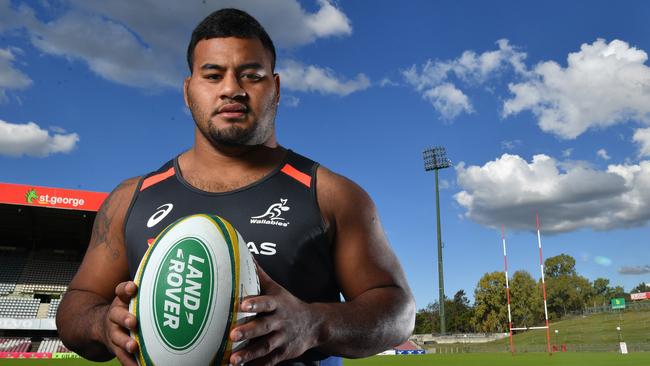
(278, 216)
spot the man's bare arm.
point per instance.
(82, 314)
(379, 312)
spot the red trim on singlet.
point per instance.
(157, 178)
(297, 175)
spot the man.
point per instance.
(315, 233)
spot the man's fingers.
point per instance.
(123, 341)
(257, 348)
(122, 317)
(278, 355)
(125, 291)
(253, 329)
(259, 304)
(266, 282)
(125, 358)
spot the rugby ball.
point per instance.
(191, 282)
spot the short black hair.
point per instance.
(229, 22)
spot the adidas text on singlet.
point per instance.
(278, 216)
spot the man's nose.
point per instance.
(231, 87)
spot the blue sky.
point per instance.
(542, 107)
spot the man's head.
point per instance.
(229, 23)
(232, 90)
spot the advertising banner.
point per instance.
(18, 194)
(28, 324)
(25, 355)
(62, 355)
(640, 296)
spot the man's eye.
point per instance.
(213, 76)
(252, 77)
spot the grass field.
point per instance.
(505, 359)
(471, 359)
(595, 332)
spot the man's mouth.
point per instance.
(232, 110)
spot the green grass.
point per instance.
(505, 359)
(466, 359)
(595, 332)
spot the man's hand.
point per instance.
(118, 322)
(285, 327)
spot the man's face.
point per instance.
(232, 92)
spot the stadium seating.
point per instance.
(54, 306)
(18, 308)
(52, 345)
(10, 269)
(15, 344)
(47, 276)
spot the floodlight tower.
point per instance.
(435, 158)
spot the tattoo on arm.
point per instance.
(101, 227)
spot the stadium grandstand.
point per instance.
(44, 233)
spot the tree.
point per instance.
(427, 320)
(566, 290)
(526, 300)
(560, 265)
(490, 311)
(458, 313)
(602, 292)
(641, 287)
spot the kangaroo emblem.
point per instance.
(274, 211)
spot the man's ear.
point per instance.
(186, 85)
(276, 78)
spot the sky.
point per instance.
(541, 106)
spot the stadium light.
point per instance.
(435, 158)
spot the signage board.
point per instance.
(618, 303)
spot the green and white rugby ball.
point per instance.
(191, 282)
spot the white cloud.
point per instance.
(568, 197)
(510, 144)
(290, 100)
(567, 152)
(11, 17)
(603, 84)
(310, 78)
(30, 139)
(387, 82)
(634, 270)
(10, 77)
(449, 101)
(57, 129)
(328, 21)
(602, 153)
(121, 45)
(642, 138)
(126, 61)
(432, 78)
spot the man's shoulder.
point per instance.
(338, 194)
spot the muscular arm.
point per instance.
(81, 316)
(379, 312)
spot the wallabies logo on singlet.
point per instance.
(273, 215)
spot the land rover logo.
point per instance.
(183, 291)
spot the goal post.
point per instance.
(511, 328)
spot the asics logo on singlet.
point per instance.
(160, 214)
(273, 215)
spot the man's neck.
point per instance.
(225, 168)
